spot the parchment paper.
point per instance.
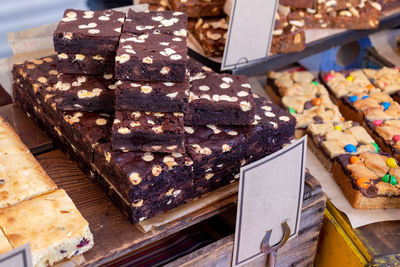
(385, 43)
(184, 211)
(356, 217)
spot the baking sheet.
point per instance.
(385, 44)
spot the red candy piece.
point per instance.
(377, 122)
(396, 138)
(328, 77)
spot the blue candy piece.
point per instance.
(353, 98)
(364, 97)
(385, 105)
(350, 148)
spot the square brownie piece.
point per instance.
(152, 96)
(198, 8)
(148, 131)
(151, 57)
(89, 32)
(165, 22)
(139, 175)
(84, 93)
(85, 64)
(213, 149)
(220, 99)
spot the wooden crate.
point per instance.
(376, 244)
(115, 237)
(299, 251)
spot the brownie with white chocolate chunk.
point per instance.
(152, 96)
(139, 175)
(329, 140)
(148, 131)
(272, 128)
(369, 180)
(89, 32)
(85, 64)
(151, 57)
(51, 224)
(84, 93)
(220, 99)
(164, 22)
(198, 8)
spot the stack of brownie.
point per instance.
(176, 129)
(86, 41)
(354, 14)
(153, 88)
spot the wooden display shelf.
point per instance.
(115, 237)
(337, 38)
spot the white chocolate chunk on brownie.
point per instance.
(4, 244)
(51, 224)
(21, 176)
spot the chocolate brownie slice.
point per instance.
(138, 175)
(165, 22)
(198, 8)
(148, 131)
(84, 93)
(220, 99)
(89, 32)
(151, 57)
(85, 64)
(152, 96)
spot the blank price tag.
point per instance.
(20, 257)
(250, 32)
(270, 192)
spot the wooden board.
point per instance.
(114, 235)
(34, 138)
(299, 251)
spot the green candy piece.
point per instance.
(387, 178)
(376, 147)
(315, 82)
(292, 111)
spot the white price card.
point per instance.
(270, 192)
(250, 32)
(20, 257)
